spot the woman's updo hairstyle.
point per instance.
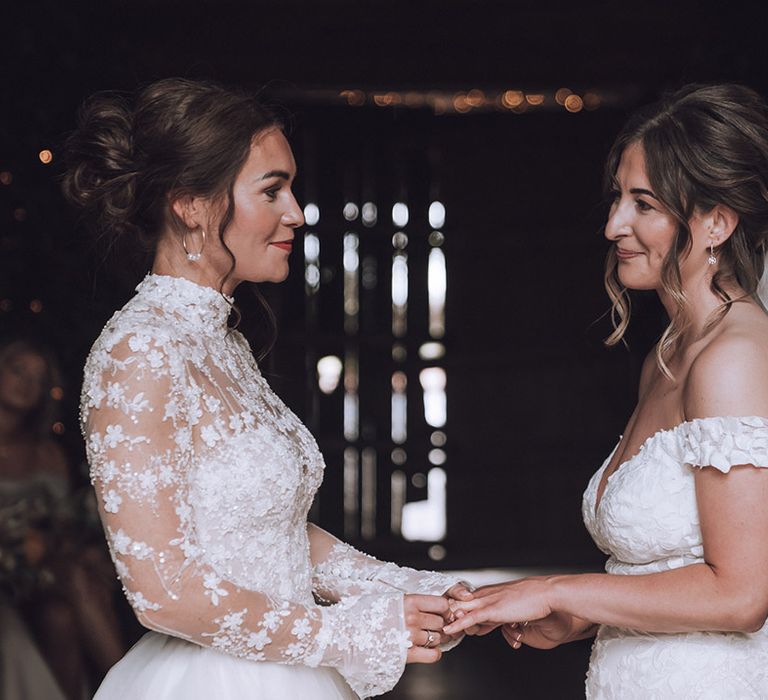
(703, 145)
(129, 157)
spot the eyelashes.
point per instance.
(642, 206)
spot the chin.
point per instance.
(638, 282)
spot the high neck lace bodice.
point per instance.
(205, 479)
(199, 306)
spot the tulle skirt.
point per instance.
(159, 667)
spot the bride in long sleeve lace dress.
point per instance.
(204, 477)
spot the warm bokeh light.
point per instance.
(45, 156)
(561, 95)
(592, 100)
(58, 428)
(6, 178)
(36, 306)
(475, 98)
(57, 393)
(512, 98)
(574, 103)
(534, 99)
(354, 98)
(20, 214)
(461, 104)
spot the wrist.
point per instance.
(558, 589)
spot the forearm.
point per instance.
(341, 570)
(691, 598)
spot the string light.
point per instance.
(574, 103)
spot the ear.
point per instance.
(724, 223)
(191, 211)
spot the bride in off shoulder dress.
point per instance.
(680, 504)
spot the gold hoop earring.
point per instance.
(712, 259)
(193, 257)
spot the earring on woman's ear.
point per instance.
(193, 257)
(712, 259)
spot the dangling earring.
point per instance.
(712, 259)
(193, 257)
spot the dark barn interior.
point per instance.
(471, 379)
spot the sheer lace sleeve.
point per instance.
(140, 417)
(340, 570)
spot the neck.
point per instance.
(10, 424)
(700, 301)
(171, 260)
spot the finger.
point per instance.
(482, 630)
(467, 605)
(427, 621)
(420, 655)
(421, 638)
(428, 603)
(513, 638)
(463, 624)
(459, 592)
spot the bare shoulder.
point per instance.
(647, 372)
(729, 377)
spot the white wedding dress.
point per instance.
(204, 480)
(647, 521)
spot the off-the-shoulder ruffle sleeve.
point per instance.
(724, 442)
(140, 416)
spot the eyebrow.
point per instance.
(640, 190)
(284, 174)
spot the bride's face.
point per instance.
(261, 233)
(639, 225)
(643, 229)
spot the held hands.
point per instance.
(425, 618)
(511, 604)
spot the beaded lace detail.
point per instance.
(205, 478)
(647, 521)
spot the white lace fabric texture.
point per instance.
(647, 521)
(205, 478)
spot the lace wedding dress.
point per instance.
(647, 521)
(204, 480)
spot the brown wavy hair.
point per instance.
(131, 154)
(703, 145)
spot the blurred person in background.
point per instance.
(54, 582)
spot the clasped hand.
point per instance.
(521, 608)
(425, 617)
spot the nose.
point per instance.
(293, 216)
(618, 224)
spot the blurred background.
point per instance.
(441, 329)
